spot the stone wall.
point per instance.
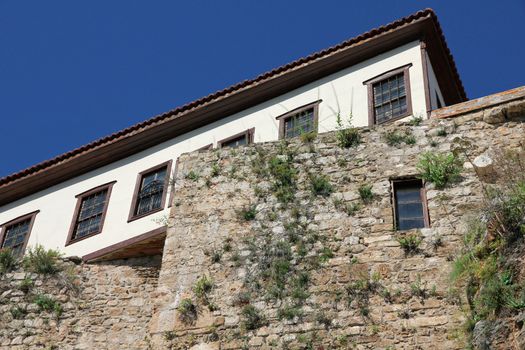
(104, 306)
(280, 245)
(360, 289)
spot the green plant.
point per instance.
(26, 284)
(325, 255)
(170, 335)
(215, 170)
(365, 192)
(242, 298)
(410, 140)
(192, 175)
(352, 208)
(203, 287)
(308, 137)
(418, 288)
(284, 178)
(187, 311)
(442, 132)
(7, 260)
(41, 260)
(415, 121)
(342, 162)
(227, 246)
(347, 136)
(248, 213)
(323, 319)
(251, 318)
(440, 169)
(410, 242)
(320, 185)
(395, 138)
(18, 312)
(290, 312)
(46, 303)
(215, 256)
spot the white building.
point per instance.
(105, 199)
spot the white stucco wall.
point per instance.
(342, 92)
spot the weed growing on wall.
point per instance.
(41, 260)
(7, 260)
(347, 136)
(487, 269)
(396, 138)
(438, 168)
(187, 311)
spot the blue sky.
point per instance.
(72, 72)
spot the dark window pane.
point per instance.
(15, 236)
(408, 195)
(89, 218)
(410, 212)
(236, 142)
(389, 98)
(151, 191)
(410, 224)
(299, 123)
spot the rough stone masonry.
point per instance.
(347, 281)
(286, 246)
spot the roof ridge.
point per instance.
(230, 89)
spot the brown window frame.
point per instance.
(370, 84)
(422, 194)
(283, 117)
(134, 200)
(249, 134)
(31, 216)
(107, 186)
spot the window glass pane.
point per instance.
(236, 142)
(390, 98)
(410, 224)
(151, 191)
(408, 195)
(15, 236)
(89, 218)
(410, 212)
(299, 123)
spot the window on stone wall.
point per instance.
(241, 139)
(410, 204)
(299, 121)
(90, 213)
(150, 191)
(15, 233)
(389, 96)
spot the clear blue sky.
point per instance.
(75, 71)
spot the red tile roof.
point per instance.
(244, 85)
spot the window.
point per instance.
(299, 121)
(410, 204)
(90, 213)
(241, 139)
(389, 96)
(150, 191)
(15, 233)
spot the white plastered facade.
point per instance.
(342, 92)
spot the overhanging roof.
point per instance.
(422, 25)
